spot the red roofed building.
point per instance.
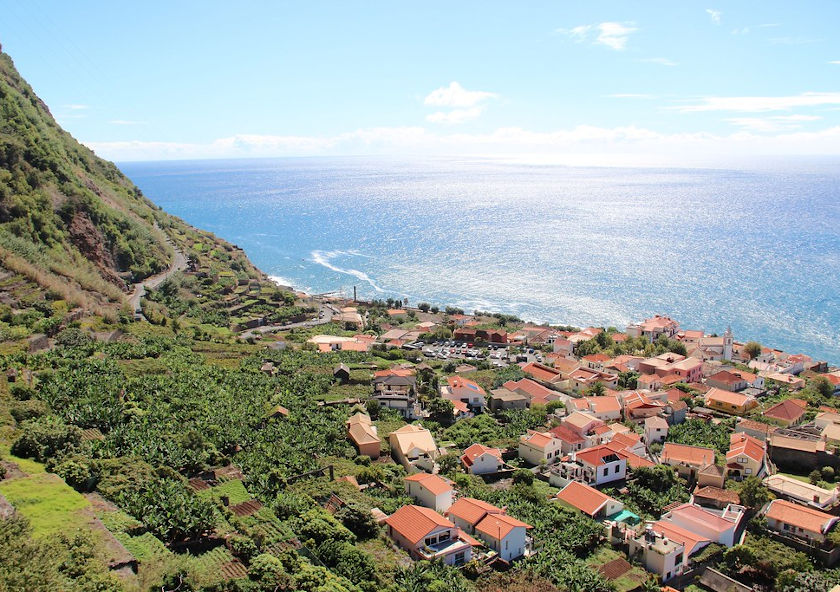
(688, 460)
(729, 402)
(787, 412)
(727, 380)
(589, 500)
(458, 388)
(798, 521)
(594, 466)
(746, 457)
(505, 535)
(479, 460)
(431, 491)
(467, 512)
(536, 393)
(425, 534)
(542, 373)
(539, 447)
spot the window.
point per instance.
(616, 468)
(443, 537)
(748, 471)
(606, 471)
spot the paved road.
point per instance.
(325, 314)
(179, 263)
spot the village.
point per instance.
(610, 421)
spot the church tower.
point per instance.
(727, 344)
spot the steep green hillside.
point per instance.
(76, 234)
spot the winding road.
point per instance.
(179, 263)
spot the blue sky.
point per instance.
(594, 82)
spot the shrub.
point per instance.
(46, 437)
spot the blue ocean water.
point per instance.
(756, 249)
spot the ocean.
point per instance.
(757, 248)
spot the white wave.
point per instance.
(287, 283)
(323, 258)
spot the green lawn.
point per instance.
(47, 501)
(233, 489)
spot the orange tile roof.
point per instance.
(435, 484)
(566, 434)
(541, 372)
(726, 377)
(476, 450)
(789, 410)
(471, 510)
(741, 444)
(498, 526)
(537, 439)
(716, 493)
(395, 372)
(690, 455)
(728, 397)
(583, 497)
(414, 522)
(800, 516)
(538, 393)
(604, 404)
(597, 455)
(688, 539)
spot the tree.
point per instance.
(597, 390)
(358, 520)
(440, 408)
(753, 493)
(752, 349)
(814, 476)
(523, 476)
(424, 306)
(449, 462)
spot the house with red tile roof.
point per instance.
(538, 447)
(504, 534)
(425, 534)
(691, 542)
(688, 460)
(571, 441)
(673, 368)
(594, 466)
(653, 327)
(717, 527)
(589, 500)
(729, 402)
(659, 554)
(605, 408)
(727, 380)
(797, 521)
(464, 390)
(595, 361)
(537, 394)
(639, 405)
(746, 457)
(542, 373)
(656, 429)
(430, 491)
(582, 379)
(479, 460)
(467, 512)
(756, 429)
(787, 412)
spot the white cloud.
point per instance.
(759, 104)
(454, 116)
(660, 61)
(77, 107)
(464, 104)
(714, 15)
(456, 95)
(612, 34)
(834, 62)
(583, 144)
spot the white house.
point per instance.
(430, 491)
(536, 447)
(660, 554)
(425, 534)
(479, 460)
(504, 534)
(656, 429)
(593, 466)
